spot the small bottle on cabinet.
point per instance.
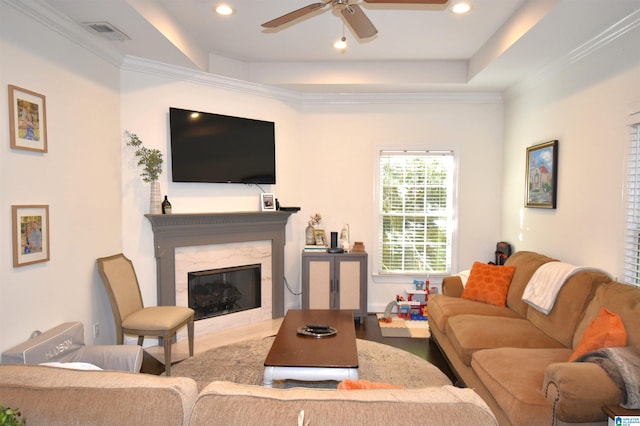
(166, 206)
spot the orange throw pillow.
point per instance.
(605, 331)
(488, 283)
(365, 384)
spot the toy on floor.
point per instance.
(387, 311)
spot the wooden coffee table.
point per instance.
(297, 357)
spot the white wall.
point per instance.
(325, 163)
(585, 107)
(79, 178)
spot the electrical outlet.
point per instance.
(96, 330)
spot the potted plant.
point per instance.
(11, 417)
(150, 160)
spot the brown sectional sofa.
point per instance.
(57, 396)
(516, 357)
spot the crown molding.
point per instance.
(43, 13)
(606, 37)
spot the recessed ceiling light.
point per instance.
(461, 7)
(224, 9)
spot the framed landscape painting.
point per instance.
(28, 119)
(30, 234)
(542, 175)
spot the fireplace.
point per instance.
(205, 241)
(224, 291)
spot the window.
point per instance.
(632, 212)
(415, 212)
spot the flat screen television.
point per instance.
(218, 148)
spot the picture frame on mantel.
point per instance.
(30, 225)
(542, 175)
(27, 120)
(267, 202)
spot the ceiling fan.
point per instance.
(352, 13)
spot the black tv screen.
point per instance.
(218, 148)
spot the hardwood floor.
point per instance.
(368, 330)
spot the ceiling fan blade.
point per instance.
(358, 21)
(409, 1)
(293, 15)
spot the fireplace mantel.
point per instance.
(194, 229)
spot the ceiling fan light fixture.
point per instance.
(341, 44)
(224, 10)
(461, 7)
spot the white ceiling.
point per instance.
(417, 49)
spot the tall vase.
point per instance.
(155, 203)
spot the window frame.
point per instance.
(400, 277)
(630, 259)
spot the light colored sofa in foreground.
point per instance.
(518, 358)
(56, 396)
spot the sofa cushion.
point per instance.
(622, 299)
(569, 306)
(441, 308)
(526, 263)
(236, 404)
(471, 333)
(488, 283)
(605, 331)
(515, 376)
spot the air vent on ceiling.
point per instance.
(106, 30)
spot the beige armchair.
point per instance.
(130, 315)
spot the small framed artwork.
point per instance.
(268, 202)
(320, 236)
(30, 234)
(27, 119)
(542, 175)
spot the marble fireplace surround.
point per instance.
(196, 229)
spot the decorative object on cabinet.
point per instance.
(267, 202)
(309, 235)
(358, 247)
(28, 119)
(335, 281)
(344, 238)
(30, 234)
(150, 159)
(320, 237)
(542, 175)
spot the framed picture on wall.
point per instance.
(542, 175)
(268, 202)
(30, 234)
(27, 119)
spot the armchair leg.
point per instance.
(167, 354)
(190, 332)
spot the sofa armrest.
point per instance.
(579, 390)
(452, 286)
(112, 357)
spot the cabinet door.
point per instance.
(320, 283)
(348, 274)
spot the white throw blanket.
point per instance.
(546, 282)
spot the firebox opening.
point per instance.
(223, 291)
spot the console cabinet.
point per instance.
(335, 281)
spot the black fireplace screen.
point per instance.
(223, 291)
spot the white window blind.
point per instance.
(632, 225)
(415, 212)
